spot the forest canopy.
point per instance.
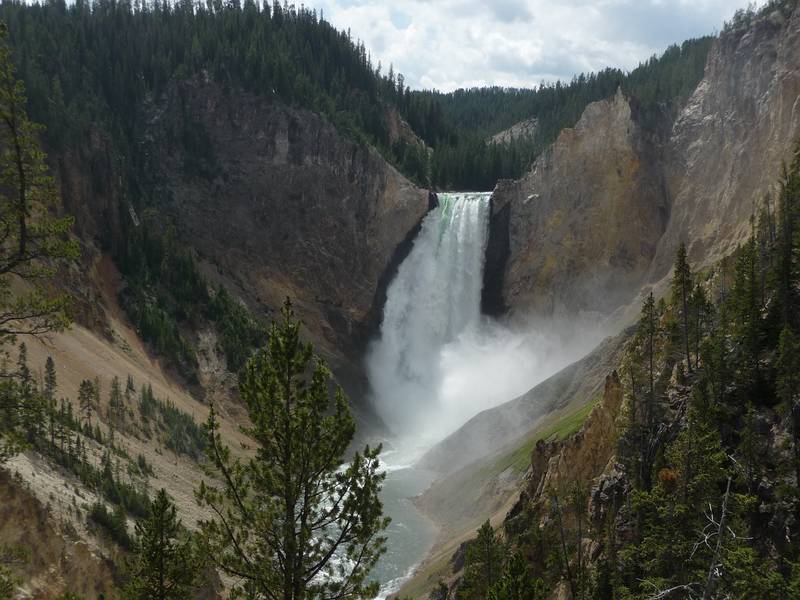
(101, 64)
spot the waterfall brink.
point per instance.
(434, 299)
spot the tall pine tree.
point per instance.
(294, 521)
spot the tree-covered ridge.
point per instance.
(91, 65)
(96, 64)
(103, 59)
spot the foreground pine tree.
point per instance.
(294, 521)
(165, 566)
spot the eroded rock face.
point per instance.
(524, 130)
(584, 222)
(280, 204)
(728, 143)
(603, 211)
(586, 454)
(581, 459)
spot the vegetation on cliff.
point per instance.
(704, 496)
(166, 295)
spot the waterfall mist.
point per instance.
(438, 361)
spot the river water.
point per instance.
(410, 534)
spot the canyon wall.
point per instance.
(278, 203)
(582, 225)
(602, 212)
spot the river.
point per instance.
(410, 535)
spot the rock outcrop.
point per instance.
(279, 203)
(584, 456)
(602, 212)
(584, 222)
(524, 130)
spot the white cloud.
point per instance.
(448, 44)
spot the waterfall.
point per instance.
(438, 361)
(434, 299)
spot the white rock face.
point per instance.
(524, 130)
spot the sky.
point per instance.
(448, 44)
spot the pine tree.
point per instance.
(750, 449)
(644, 415)
(50, 380)
(747, 317)
(788, 387)
(31, 237)
(648, 326)
(30, 403)
(786, 267)
(295, 499)
(517, 582)
(672, 512)
(483, 565)
(30, 243)
(165, 564)
(130, 389)
(681, 291)
(86, 400)
(116, 406)
(701, 310)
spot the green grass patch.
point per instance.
(520, 459)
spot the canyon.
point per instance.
(275, 201)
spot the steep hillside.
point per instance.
(246, 155)
(200, 206)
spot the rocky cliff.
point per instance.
(582, 225)
(583, 457)
(524, 130)
(279, 203)
(727, 145)
(603, 210)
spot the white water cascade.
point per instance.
(438, 361)
(434, 298)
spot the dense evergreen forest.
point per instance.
(96, 64)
